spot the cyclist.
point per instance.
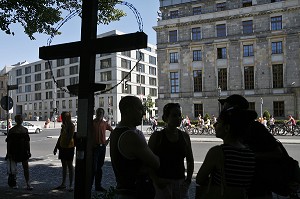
(292, 123)
(153, 123)
(200, 121)
(272, 124)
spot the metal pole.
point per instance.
(261, 107)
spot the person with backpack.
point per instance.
(172, 146)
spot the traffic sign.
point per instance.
(7, 103)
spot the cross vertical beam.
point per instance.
(86, 101)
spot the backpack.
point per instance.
(280, 174)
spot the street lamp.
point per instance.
(219, 95)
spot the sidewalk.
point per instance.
(45, 175)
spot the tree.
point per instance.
(41, 16)
(148, 104)
(266, 114)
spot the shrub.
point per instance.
(266, 114)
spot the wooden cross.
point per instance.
(87, 49)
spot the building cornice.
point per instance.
(224, 18)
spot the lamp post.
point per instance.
(261, 107)
(219, 95)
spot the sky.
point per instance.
(19, 48)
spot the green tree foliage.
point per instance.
(41, 16)
(206, 116)
(148, 104)
(266, 114)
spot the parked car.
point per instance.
(31, 127)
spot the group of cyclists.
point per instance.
(208, 124)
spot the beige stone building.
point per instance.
(211, 49)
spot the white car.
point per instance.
(31, 127)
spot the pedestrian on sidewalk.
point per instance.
(99, 129)
(130, 155)
(18, 147)
(172, 146)
(65, 145)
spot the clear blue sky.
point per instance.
(17, 48)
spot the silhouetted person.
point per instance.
(99, 128)
(130, 154)
(18, 147)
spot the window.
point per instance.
(173, 36)
(74, 80)
(126, 53)
(221, 6)
(60, 62)
(28, 79)
(248, 50)
(48, 85)
(174, 14)
(48, 64)
(73, 60)
(60, 83)
(125, 63)
(152, 60)
(19, 72)
(152, 81)
(101, 101)
(247, 27)
(70, 104)
(221, 30)
(277, 76)
(127, 75)
(48, 75)
(49, 95)
(153, 92)
(37, 67)
(140, 90)
(140, 68)
(278, 108)
(197, 10)
(174, 57)
(198, 109)
(105, 76)
(277, 47)
(140, 56)
(19, 81)
(28, 88)
(60, 72)
(38, 77)
(38, 87)
(252, 106)
(60, 94)
(247, 3)
(38, 96)
(249, 77)
(196, 34)
(174, 81)
(28, 70)
(74, 70)
(276, 23)
(197, 74)
(140, 79)
(197, 55)
(222, 78)
(63, 103)
(105, 63)
(221, 53)
(152, 70)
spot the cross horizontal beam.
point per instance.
(115, 43)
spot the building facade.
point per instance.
(211, 49)
(42, 85)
